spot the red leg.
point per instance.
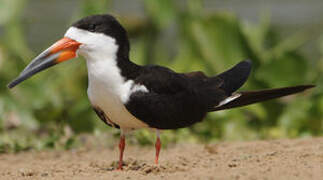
(122, 145)
(157, 146)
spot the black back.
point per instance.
(173, 100)
(180, 100)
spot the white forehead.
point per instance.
(87, 37)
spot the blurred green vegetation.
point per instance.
(51, 110)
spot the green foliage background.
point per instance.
(52, 109)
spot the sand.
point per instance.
(277, 159)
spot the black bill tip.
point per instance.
(304, 87)
(15, 82)
(34, 68)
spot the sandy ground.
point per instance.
(279, 159)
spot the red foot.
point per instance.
(122, 145)
(157, 146)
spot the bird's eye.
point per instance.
(92, 27)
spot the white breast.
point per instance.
(107, 89)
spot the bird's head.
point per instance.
(96, 35)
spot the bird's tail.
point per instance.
(249, 97)
(234, 78)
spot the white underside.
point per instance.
(107, 89)
(110, 98)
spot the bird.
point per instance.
(129, 96)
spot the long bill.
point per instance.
(61, 51)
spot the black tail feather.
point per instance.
(250, 97)
(235, 77)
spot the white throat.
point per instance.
(100, 52)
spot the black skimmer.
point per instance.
(129, 96)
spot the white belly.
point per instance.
(113, 108)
